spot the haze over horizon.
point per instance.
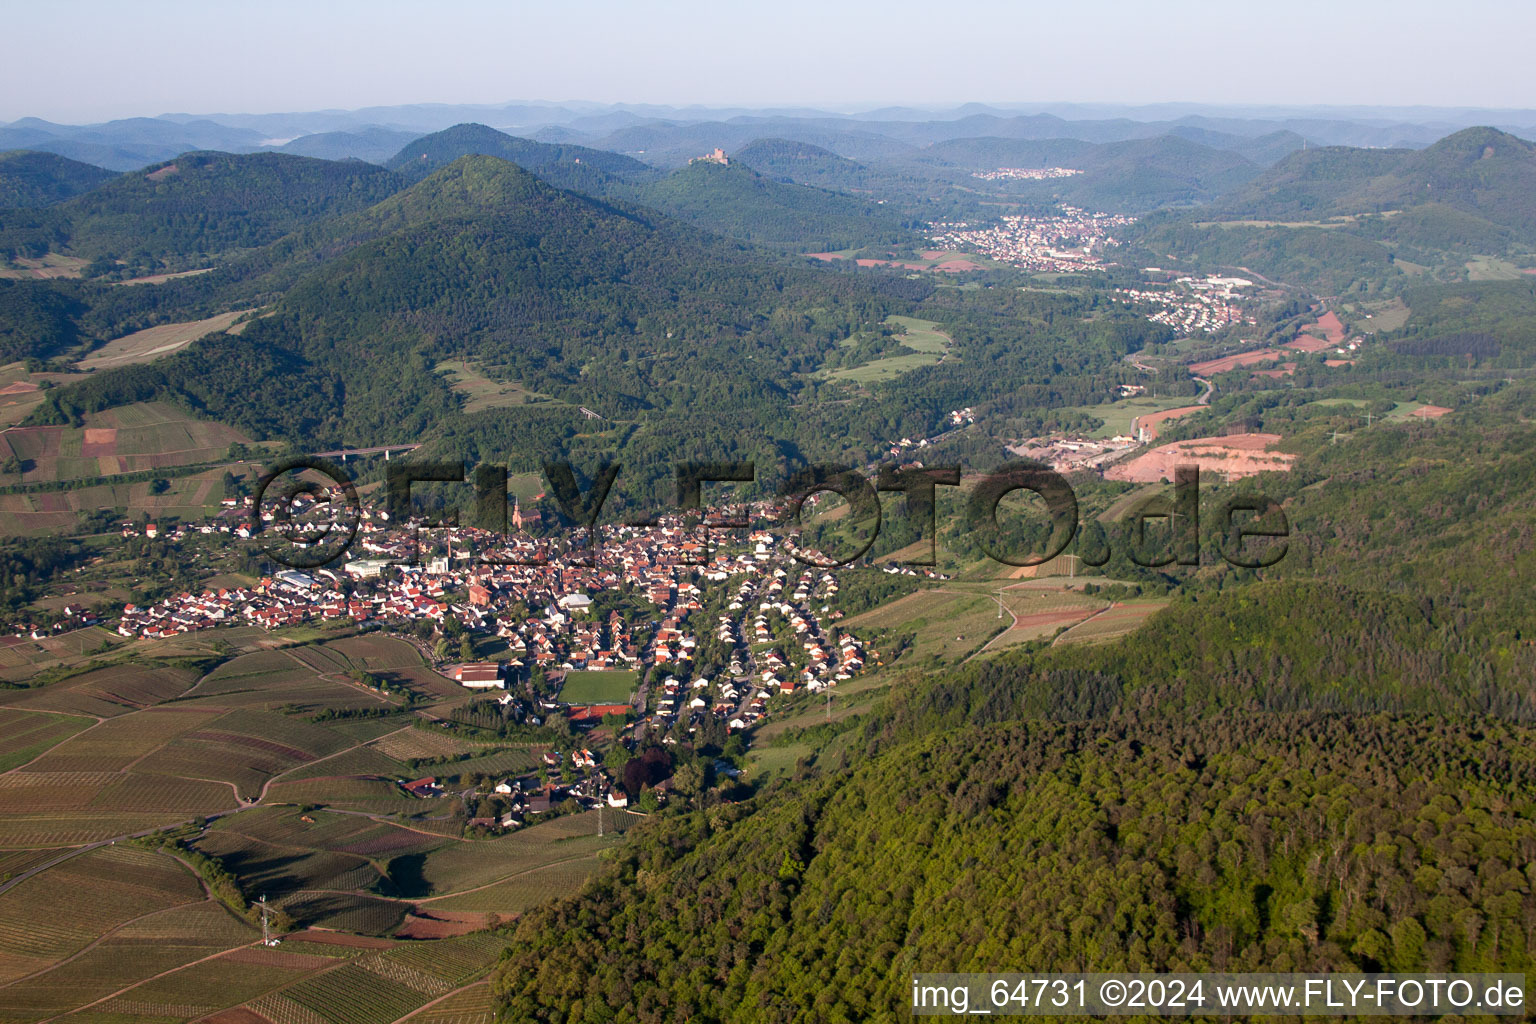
(101, 61)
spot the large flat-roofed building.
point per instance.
(481, 676)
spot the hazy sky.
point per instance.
(90, 60)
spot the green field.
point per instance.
(1492, 268)
(1328, 403)
(481, 392)
(1041, 613)
(1117, 416)
(49, 512)
(926, 346)
(607, 686)
(537, 886)
(456, 873)
(131, 439)
(947, 623)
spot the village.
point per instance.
(536, 597)
(1026, 173)
(1066, 242)
(1191, 305)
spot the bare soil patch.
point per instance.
(1234, 457)
(1226, 363)
(1150, 421)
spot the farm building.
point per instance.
(481, 676)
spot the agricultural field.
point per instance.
(42, 268)
(518, 761)
(281, 870)
(346, 834)
(608, 686)
(305, 678)
(1114, 622)
(424, 744)
(162, 278)
(193, 496)
(376, 653)
(1391, 315)
(382, 986)
(25, 735)
(364, 762)
(240, 975)
(245, 748)
(471, 864)
(160, 942)
(1492, 268)
(949, 624)
(134, 438)
(767, 762)
(154, 342)
(105, 693)
(1040, 612)
(20, 393)
(58, 912)
(926, 347)
(473, 1005)
(529, 889)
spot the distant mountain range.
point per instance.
(669, 136)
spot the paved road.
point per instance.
(342, 453)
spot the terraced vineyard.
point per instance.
(530, 889)
(378, 988)
(467, 865)
(1115, 622)
(140, 949)
(473, 1005)
(105, 693)
(26, 734)
(60, 911)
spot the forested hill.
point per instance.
(41, 179)
(564, 166)
(1332, 771)
(620, 309)
(198, 203)
(1279, 843)
(736, 200)
(1478, 172)
(805, 164)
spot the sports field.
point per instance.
(607, 686)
